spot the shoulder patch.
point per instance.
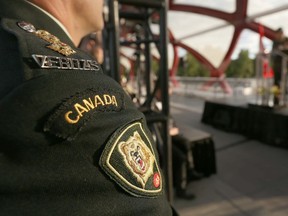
(72, 115)
(129, 159)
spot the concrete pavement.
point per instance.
(252, 177)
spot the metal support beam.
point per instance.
(112, 52)
(143, 42)
(144, 3)
(164, 86)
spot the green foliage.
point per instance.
(190, 66)
(155, 66)
(242, 67)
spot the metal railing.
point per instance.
(197, 86)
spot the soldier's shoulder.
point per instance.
(11, 26)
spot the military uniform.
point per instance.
(72, 142)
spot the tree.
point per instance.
(190, 66)
(242, 67)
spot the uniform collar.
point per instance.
(53, 18)
(23, 11)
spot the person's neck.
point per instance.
(62, 17)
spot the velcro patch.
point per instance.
(72, 115)
(129, 159)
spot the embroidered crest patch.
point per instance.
(129, 159)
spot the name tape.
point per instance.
(64, 63)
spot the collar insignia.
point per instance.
(27, 27)
(54, 42)
(129, 159)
